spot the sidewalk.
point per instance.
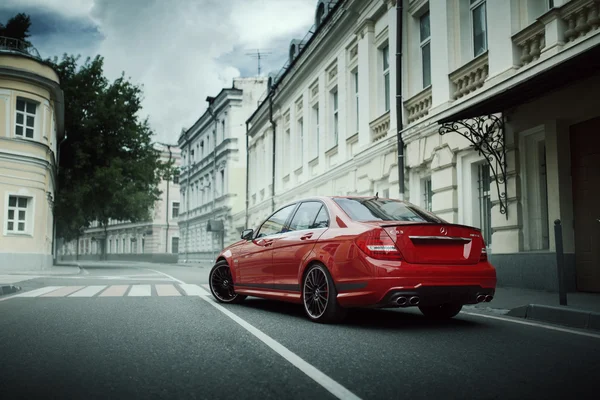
(582, 310)
(8, 278)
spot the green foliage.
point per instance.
(17, 28)
(109, 168)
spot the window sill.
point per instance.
(314, 161)
(17, 234)
(332, 151)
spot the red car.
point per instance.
(331, 254)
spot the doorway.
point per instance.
(585, 172)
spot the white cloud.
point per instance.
(177, 48)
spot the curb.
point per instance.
(560, 315)
(8, 289)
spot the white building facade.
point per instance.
(497, 119)
(213, 175)
(156, 240)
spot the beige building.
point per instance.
(31, 126)
(156, 240)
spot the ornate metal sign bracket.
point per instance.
(486, 134)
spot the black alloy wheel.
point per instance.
(221, 284)
(319, 296)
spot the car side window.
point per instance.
(276, 222)
(322, 220)
(305, 216)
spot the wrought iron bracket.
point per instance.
(486, 134)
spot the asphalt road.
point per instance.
(181, 346)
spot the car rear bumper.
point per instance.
(386, 292)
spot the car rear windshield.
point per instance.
(365, 209)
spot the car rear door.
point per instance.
(308, 224)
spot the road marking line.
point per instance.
(326, 382)
(63, 292)
(539, 325)
(88, 291)
(114, 291)
(167, 275)
(38, 292)
(167, 290)
(193, 290)
(140, 291)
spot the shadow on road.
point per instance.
(379, 319)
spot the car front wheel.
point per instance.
(319, 296)
(221, 284)
(442, 311)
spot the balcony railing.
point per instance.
(380, 126)
(418, 106)
(18, 46)
(470, 76)
(531, 41)
(581, 18)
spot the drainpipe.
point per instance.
(247, 174)
(214, 176)
(274, 125)
(400, 142)
(168, 208)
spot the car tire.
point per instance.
(317, 278)
(442, 311)
(221, 284)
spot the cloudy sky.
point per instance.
(180, 50)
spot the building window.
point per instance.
(223, 129)
(316, 128)
(175, 210)
(385, 53)
(132, 247)
(25, 118)
(335, 120)
(124, 248)
(425, 49)
(201, 150)
(356, 101)
(300, 145)
(176, 177)
(143, 245)
(479, 26)
(550, 4)
(175, 245)
(427, 194)
(17, 214)
(485, 203)
(222, 182)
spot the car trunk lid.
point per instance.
(432, 243)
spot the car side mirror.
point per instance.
(247, 234)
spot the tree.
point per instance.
(109, 169)
(17, 28)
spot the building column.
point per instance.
(367, 62)
(444, 201)
(441, 50)
(500, 29)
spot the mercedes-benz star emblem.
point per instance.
(443, 230)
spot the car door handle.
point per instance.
(307, 236)
(268, 243)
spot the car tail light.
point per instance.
(378, 244)
(483, 256)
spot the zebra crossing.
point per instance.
(138, 290)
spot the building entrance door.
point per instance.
(585, 164)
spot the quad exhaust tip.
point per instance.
(401, 300)
(480, 298)
(414, 300)
(488, 298)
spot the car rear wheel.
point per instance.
(221, 284)
(320, 297)
(442, 311)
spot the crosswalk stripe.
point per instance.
(140, 291)
(38, 292)
(193, 290)
(62, 292)
(114, 291)
(88, 291)
(167, 290)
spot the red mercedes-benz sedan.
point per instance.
(331, 254)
